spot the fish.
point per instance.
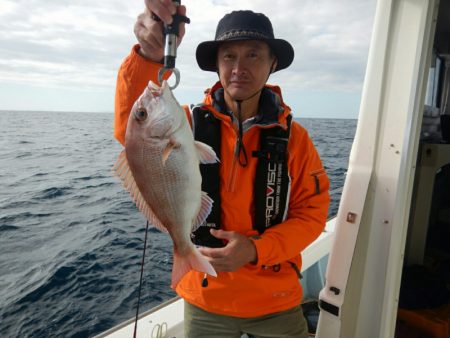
(159, 167)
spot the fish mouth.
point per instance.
(155, 89)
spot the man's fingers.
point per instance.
(164, 12)
(145, 20)
(216, 258)
(150, 36)
(153, 39)
(212, 252)
(223, 234)
(182, 11)
(164, 9)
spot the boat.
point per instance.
(390, 200)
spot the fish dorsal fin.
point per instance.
(205, 210)
(205, 153)
(122, 170)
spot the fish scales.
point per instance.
(169, 188)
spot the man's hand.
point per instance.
(238, 251)
(149, 31)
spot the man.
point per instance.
(270, 195)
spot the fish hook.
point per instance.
(165, 70)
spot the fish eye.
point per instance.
(141, 114)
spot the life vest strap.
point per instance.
(207, 130)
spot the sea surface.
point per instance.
(71, 239)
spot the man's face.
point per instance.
(244, 67)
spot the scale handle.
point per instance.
(171, 31)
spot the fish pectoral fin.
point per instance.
(123, 171)
(205, 153)
(171, 145)
(205, 210)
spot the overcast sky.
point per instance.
(63, 55)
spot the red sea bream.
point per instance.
(160, 169)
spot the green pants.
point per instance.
(286, 324)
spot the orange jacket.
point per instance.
(253, 290)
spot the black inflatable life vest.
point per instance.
(272, 182)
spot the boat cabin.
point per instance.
(388, 272)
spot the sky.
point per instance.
(63, 55)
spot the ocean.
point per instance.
(71, 239)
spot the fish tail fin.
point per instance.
(182, 264)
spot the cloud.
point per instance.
(64, 42)
(73, 43)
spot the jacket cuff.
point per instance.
(262, 250)
(142, 60)
(146, 66)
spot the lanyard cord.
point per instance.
(240, 146)
(140, 282)
(240, 143)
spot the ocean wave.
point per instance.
(67, 299)
(19, 217)
(6, 227)
(100, 185)
(40, 174)
(91, 177)
(21, 204)
(53, 192)
(23, 154)
(59, 278)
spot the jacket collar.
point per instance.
(272, 109)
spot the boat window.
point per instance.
(434, 99)
(435, 75)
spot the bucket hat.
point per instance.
(244, 25)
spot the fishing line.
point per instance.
(140, 282)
